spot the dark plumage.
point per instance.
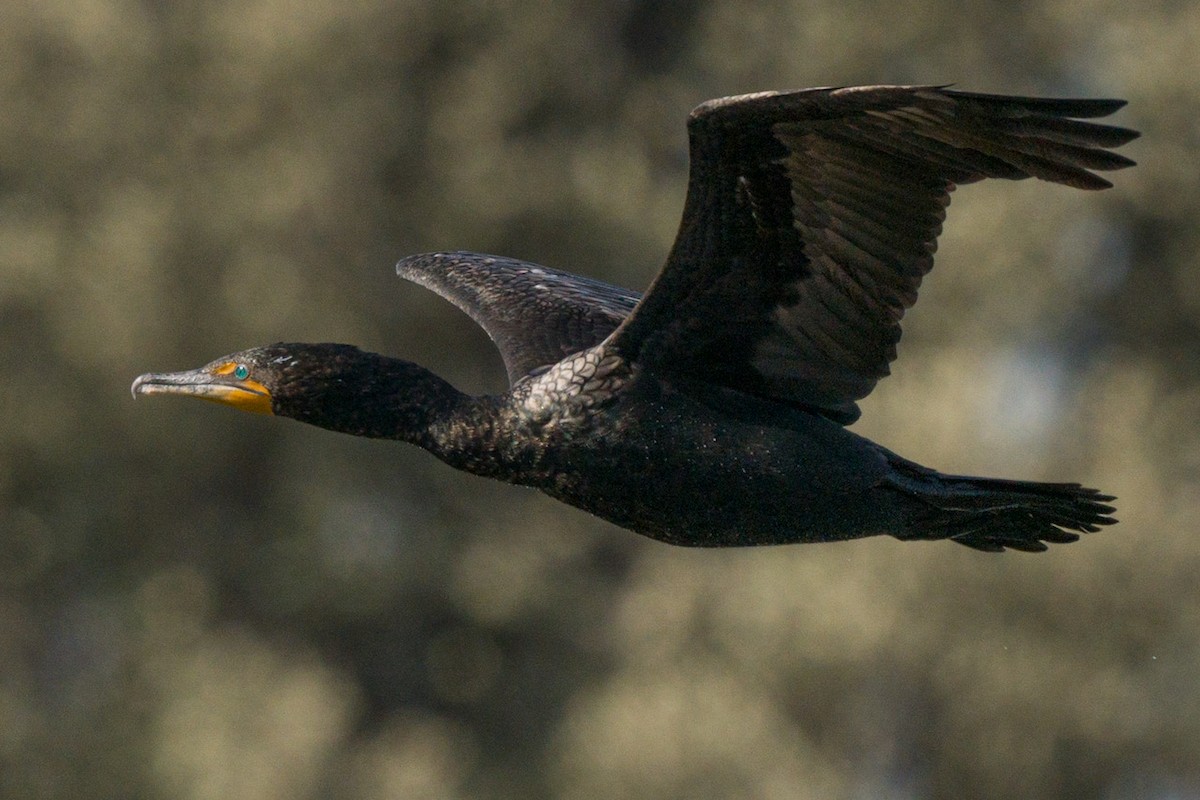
(711, 412)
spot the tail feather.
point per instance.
(993, 514)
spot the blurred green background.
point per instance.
(201, 604)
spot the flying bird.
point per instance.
(712, 411)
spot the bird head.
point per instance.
(334, 386)
(260, 380)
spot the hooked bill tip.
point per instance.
(151, 383)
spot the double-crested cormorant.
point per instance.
(711, 411)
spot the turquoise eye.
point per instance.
(241, 372)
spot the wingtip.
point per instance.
(404, 266)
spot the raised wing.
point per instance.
(811, 218)
(535, 315)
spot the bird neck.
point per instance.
(367, 394)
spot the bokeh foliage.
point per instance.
(201, 604)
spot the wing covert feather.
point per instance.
(536, 316)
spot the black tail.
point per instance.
(992, 514)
